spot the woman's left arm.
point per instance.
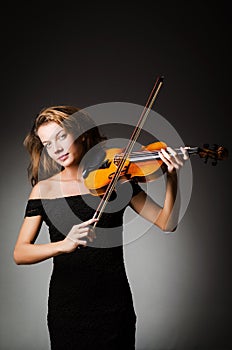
(166, 217)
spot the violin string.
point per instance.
(152, 154)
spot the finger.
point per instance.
(169, 162)
(185, 153)
(77, 232)
(175, 156)
(81, 242)
(165, 158)
(90, 238)
(172, 151)
(88, 222)
(165, 153)
(72, 239)
(92, 233)
(89, 234)
(82, 229)
(172, 161)
(83, 234)
(178, 161)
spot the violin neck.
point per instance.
(142, 156)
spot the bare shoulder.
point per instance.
(41, 189)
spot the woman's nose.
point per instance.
(57, 148)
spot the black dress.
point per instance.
(90, 303)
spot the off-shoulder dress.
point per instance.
(90, 303)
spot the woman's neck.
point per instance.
(72, 173)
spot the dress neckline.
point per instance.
(64, 197)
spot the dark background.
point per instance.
(89, 54)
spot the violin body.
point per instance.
(142, 165)
(98, 179)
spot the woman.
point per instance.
(90, 303)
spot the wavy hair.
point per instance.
(73, 120)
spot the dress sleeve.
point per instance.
(34, 207)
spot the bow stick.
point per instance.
(133, 138)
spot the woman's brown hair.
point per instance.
(72, 119)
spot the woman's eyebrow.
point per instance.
(55, 136)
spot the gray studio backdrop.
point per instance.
(181, 283)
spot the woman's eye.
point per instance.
(48, 145)
(62, 136)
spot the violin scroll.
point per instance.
(214, 152)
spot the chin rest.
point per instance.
(94, 160)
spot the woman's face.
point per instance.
(60, 144)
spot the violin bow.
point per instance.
(111, 186)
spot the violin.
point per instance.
(105, 169)
(142, 165)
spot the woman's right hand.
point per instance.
(76, 235)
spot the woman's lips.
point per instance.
(64, 157)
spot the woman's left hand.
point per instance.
(172, 159)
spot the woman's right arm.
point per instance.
(26, 252)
